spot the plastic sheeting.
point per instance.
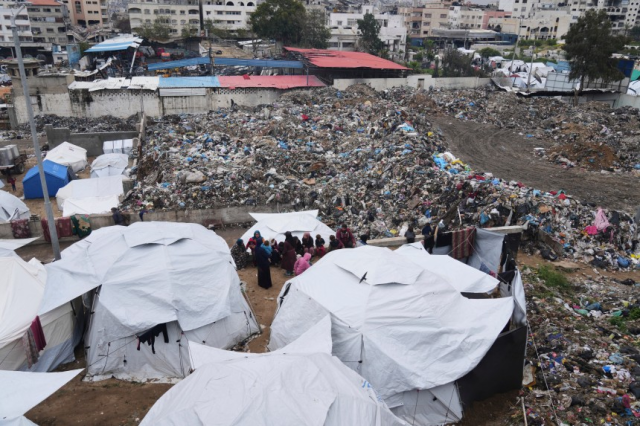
(302, 384)
(152, 273)
(274, 225)
(109, 165)
(460, 275)
(399, 337)
(90, 189)
(11, 208)
(69, 155)
(487, 249)
(89, 205)
(20, 392)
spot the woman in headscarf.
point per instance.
(264, 266)
(251, 245)
(320, 248)
(276, 255)
(307, 244)
(239, 254)
(298, 246)
(302, 264)
(288, 254)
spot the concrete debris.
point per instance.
(82, 125)
(371, 160)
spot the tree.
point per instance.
(589, 45)
(316, 34)
(369, 40)
(83, 46)
(188, 31)
(124, 25)
(430, 49)
(418, 57)
(159, 30)
(634, 33)
(282, 20)
(456, 64)
(488, 52)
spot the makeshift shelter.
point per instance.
(109, 165)
(11, 208)
(274, 225)
(22, 287)
(56, 176)
(91, 195)
(403, 328)
(175, 282)
(299, 385)
(69, 155)
(20, 392)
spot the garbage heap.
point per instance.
(591, 135)
(372, 161)
(583, 352)
(82, 125)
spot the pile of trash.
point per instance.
(373, 161)
(583, 354)
(82, 125)
(591, 135)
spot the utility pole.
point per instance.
(530, 65)
(34, 135)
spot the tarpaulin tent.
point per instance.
(402, 327)
(11, 207)
(176, 281)
(56, 176)
(274, 225)
(22, 287)
(69, 155)
(88, 189)
(20, 392)
(299, 385)
(90, 205)
(109, 165)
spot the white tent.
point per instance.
(274, 225)
(299, 385)
(109, 165)
(403, 328)
(20, 392)
(89, 192)
(22, 287)
(90, 205)
(150, 274)
(69, 155)
(11, 208)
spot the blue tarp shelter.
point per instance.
(56, 176)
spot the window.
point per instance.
(48, 9)
(134, 10)
(182, 12)
(35, 9)
(50, 30)
(339, 23)
(182, 22)
(427, 15)
(147, 21)
(51, 39)
(208, 13)
(174, 21)
(443, 16)
(146, 11)
(426, 24)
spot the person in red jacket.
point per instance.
(345, 236)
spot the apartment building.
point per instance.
(88, 13)
(22, 23)
(542, 25)
(178, 14)
(462, 17)
(47, 21)
(493, 13)
(229, 14)
(420, 21)
(344, 29)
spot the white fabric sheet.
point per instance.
(90, 205)
(274, 225)
(487, 249)
(460, 275)
(109, 165)
(90, 188)
(286, 388)
(11, 207)
(399, 337)
(15, 244)
(69, 155)
(21, 391)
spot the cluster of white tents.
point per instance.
(12, 208)
(366, 336)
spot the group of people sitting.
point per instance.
(293, 254)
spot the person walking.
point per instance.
(263, 264)
(12, 181)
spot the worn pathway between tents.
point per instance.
(510, 156)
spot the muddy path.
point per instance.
(510, 156)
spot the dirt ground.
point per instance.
(510, 156)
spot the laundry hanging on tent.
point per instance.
(81, 225)
(20, 228)
(462, 242)
(150, 335)
(30, 348)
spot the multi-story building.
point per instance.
(462, 17)
(178, 14)
(493, 13)
(228, 14)
(47, 21)
(542, 25)
(344, 29)
(420, 21)
(88, 13)
(22, 23)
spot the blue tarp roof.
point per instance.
(122, 42)
(50, 168)
(56, 176)
(257, 63)
(181, 82)
(178, 64)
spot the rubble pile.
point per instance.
(591, 135)
(370, 160)
(83, 125)
(583, 352)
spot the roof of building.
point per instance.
(340, 59)
(43, 3)
(122, 42)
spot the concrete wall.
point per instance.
(627, 100)
(414, 80)
(92, 142)
(376, 83)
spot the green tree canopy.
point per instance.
(634, 33)
(159, 30)
(589, 45)
(488, 52)
(316, 34)
(369, 35)
(282, 20)
(457, 64)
